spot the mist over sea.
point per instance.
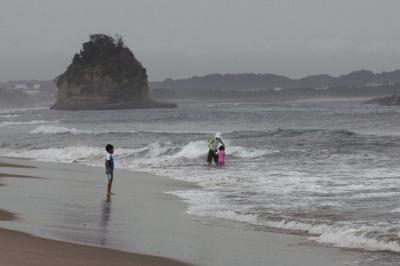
(328, 169)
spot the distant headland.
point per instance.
(361, 83)
(104, 75)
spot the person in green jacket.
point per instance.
(213, 145)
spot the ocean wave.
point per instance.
(47, 130)
(197, 149)
(339, 235)
(205, 203)
(294, 132)
(72, 154)
(155, 151)
(322, 132)
(22, 110)
(192, 150)
(9, 116)
(19, 123)
(57, 130)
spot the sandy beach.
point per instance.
(68, 204)
(23, 249)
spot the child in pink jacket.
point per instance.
(221, 156)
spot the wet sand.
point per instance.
(18, 248)
(69, 204)
(14, 165)
(6, 216)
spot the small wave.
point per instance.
(66, 155)
(248, 153)
(156, 151)
(323, 132)
(57, 130)
(395, 210)
(197, 149)
(205, 203)
(193, 150)
(9, 116)
(21, 110)
(33, 122)
(47, 130)
(345, 236)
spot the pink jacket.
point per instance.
(221, 158)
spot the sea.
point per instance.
(327, 169)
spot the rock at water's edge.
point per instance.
(393, 100)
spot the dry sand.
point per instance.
(17, 249)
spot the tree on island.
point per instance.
(99, 43)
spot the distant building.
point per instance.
(373, 84)
(20, 87)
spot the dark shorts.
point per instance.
(212, 156)
(110, 175)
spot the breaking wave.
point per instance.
(57, 130)
(167, 150)
(9, 116)
(337, 235)
(48, 130)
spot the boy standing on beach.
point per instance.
(109, 167)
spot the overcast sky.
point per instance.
(182, 38)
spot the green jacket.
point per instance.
(211, 143)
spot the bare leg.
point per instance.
(109, 188)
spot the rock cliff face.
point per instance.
(393, 100)
(104, 75)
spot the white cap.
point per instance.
(218, 135)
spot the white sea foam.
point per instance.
(363, 238)
(57, 130)
(341, 235)
(192, 150)
(196, 149)
(9, 116)
(70, 154)
(208, 203)
(67, 155)
(18, 123)
(22, 110)
(248, 153)
(47, 130)
(205, 203)
(397, 210)
(155, 153)
(345, 236)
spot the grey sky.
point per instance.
(181, 38)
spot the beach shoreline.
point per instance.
(15, 245)
(23, 249)
(161, 227)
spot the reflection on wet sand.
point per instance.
(105, 218)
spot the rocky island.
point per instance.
(393, 100)
(104, 75)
